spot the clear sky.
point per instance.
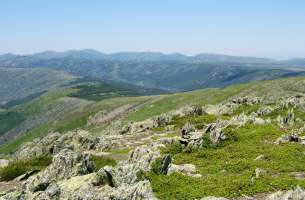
(266, 28)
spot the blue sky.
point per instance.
(266, 28)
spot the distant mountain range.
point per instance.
(170, 72)
(152, 56)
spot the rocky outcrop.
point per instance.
(73, 176)
(65, 164)
(78, 140)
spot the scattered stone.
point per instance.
(261, 157)
(259, 172)
(186, 169)
(298, 175)
(245, 100)
(167, 160)
(265, 111)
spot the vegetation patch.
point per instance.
(228, 169)
(101, 161)
(100, 91)
(19, 167)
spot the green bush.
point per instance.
(101, 161)
(19, 167)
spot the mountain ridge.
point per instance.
(148, 56)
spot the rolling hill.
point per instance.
(171, 72)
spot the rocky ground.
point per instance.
(170, 155)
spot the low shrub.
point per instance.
(19, 167)
(101, 161)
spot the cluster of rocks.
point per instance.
(216, 131)
(247, 100)
(188, 110)
(292, 101)
(191, 138)
(221, 109)
(78, 140)
(293, 136)
(73, 176)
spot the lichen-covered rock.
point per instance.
(77, 140)
(191, 138)
(216, 131)
(260, 172)
(65, 165)
(38, 147)
(186, 169)
(296, 194)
